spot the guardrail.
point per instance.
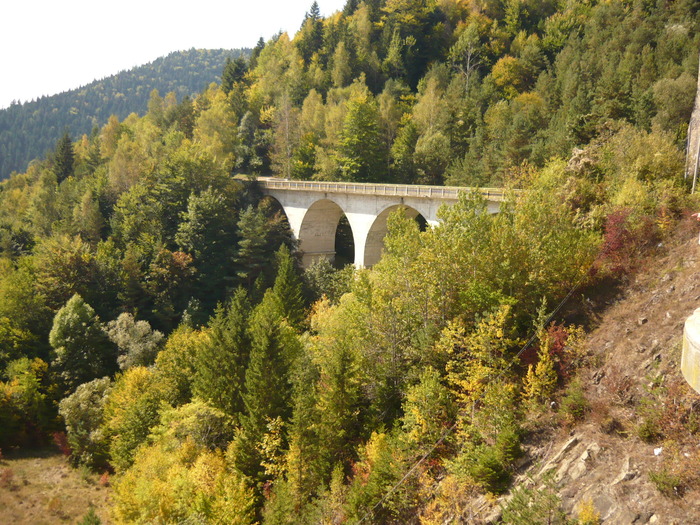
(394, 190)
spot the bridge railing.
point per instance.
(397, 190)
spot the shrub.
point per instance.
(104, 479)
(90, 518)
(574, 404)
(678, 472)
(667, 482)
(587, 513)
(535, 501)
(649, 429)
(488, 471)
(490, 465)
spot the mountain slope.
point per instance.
(634, 457)
(29, 130)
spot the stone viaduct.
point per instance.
(314, 210)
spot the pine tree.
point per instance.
(222, 359)
(63, 157)
(251, 257)
(256, 53)
(288, 287)
(234, 71)
(362, 158)
(268, 392)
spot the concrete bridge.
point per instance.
(314, 210)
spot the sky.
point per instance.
(50, 46)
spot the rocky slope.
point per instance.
(636, 455)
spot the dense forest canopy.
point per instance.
(28, 130)
(153, 306)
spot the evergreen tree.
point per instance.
(251, 257)
(256, 53)
(63, 157)
(234, 71)
(208, 231)
(268, 391)
(288, 288)
(310, 38)
(362, 157)
(223, 357)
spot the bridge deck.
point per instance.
(363, 188)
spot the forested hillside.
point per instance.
(28, 130)
(155, 320)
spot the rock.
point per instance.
(626, 473)
(605, 505)
(494, 516)
(584, 461)
(598, 376)
(552, 463)
(642, 320)
(658, 451)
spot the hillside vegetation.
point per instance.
(29, 130)
(154, 317)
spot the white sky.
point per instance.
(51, 46)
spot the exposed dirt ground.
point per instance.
(38, 488)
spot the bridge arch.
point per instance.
(374, 241)
(317, 231)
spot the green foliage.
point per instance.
(131, 410)
(382, 462)
(574, 404)
(361, 157)
(176, 364)
(222, 358)
(25, 403)
(180, 482)
(63, 158)
(428, 410)
(90, 518)
(319, 425)
(83, 414)
(261, 231)
(535, 501)
(196, 422)
(273, 348)
(288, 288)
(208, 232)
(324, 280)
(82, 350)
